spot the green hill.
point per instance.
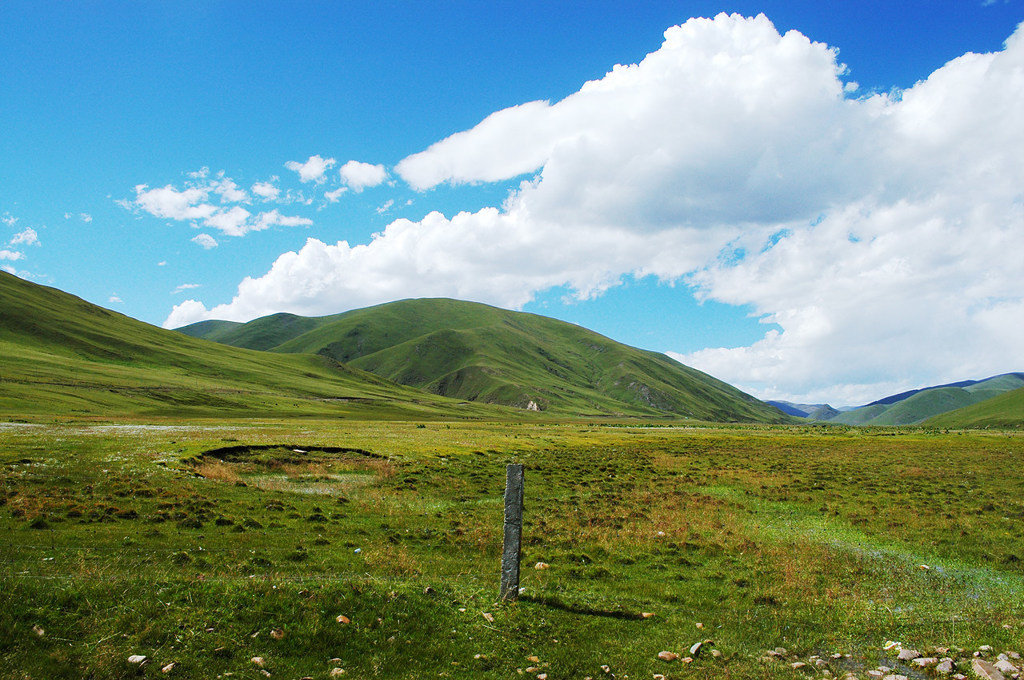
(62, 356)
(920, 405)
(1005, 410)
(480, 353)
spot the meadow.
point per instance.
(339, 548)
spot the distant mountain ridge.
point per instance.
(476, 352)
(917, 406)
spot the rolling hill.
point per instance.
(919, 406)
(479, 353)
(62, 356)
(1005, 410)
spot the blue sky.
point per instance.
(738, 199)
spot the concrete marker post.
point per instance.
(512, 549)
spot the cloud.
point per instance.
(9, 219)
(170, 203)
(28, 237)
(313, 169)
(881, 234)
(186, 286)
(273, 218)
(266, 191)
(361, 176)
(114, 299)
(192, 204)
(12, 255)
(228, 191)
(333, 196)
(205, 240)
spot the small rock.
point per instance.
(908, 654)
(335, 672)
(646, 615)
(541, 565)
(542, 676)
(532, 669)
(821, 663)
(664, 656)
(606, 669)
(168, 668)
(1013, 655)
(875, 673)
(797, 665)
(695, 649)
(343, 619)
(659, 676)
(985, 649)
(781, 651)
(985, 670)
(277, 633)
(1006, 667)
(715, 653)
(700, 626)
(687, 659)
(945, 667)
(136, 658)
(533, 659)
(924, 661)
(38, 631)
(258, 660)
(488, 617)
(895, 677)
(265, 672)
(428, 591)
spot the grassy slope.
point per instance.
(931, 402)
(476, 352)
(60, 355)
(1004, 410)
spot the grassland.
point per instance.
(206, 544)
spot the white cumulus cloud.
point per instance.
(266, 191)
(879, 236)
(313, 170)
(27, 237)
(11, 255)
(205, 240)
(359, 176)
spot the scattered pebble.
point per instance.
(646, 615)
(664, 656)
(343, 619)
(136, 658)
(695, 648)
(277, 633)
(489, 617)
(168, 668)
(38, 631)
(335, 672)
(541, 565)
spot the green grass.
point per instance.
(191, 543)
(480, 353)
